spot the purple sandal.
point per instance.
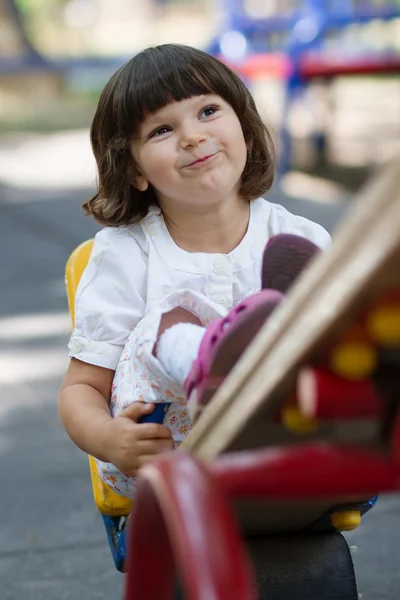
(285, 256)
(222, 345)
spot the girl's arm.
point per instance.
(83, 405)
(84, 410)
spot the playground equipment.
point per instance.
(300, 41)
(23, 70)
(295, 465)
(17, 53)
(248, 466)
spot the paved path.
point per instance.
(52, 542)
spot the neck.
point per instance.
(217, 230)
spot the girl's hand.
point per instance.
(130, 444)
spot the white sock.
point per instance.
(178, 347)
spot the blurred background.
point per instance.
(325, 76)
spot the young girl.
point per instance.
(171, 295)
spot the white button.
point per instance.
(221, 265)
(222, 301)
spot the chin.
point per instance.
(212, 200)
(220, 191)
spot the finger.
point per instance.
(136, 410)
(145, 447)
(152, 431)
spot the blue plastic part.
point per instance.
(115, 526)
(158, 414)
(366, 506)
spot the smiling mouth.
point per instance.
(200, 161)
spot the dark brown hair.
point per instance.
(148, 82)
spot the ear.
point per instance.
(140, 183)
(137, 179)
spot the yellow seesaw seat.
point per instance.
(108, 502)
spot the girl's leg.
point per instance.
(199, 358)
(174, 317)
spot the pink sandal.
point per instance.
(222, 345)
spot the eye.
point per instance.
(159, 131)
(208, 111)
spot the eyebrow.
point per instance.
(154, 118)
(150, 122)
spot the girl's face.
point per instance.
(192, 152)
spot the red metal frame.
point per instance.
(311, 67)
(182, 518)
(306, 472)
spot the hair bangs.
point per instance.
(167, 74)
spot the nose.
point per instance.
(191, 137)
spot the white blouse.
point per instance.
(133, 268)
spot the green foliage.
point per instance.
(30, 7)
(27, 6)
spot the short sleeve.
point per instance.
(282, 221)
(312, 231)
(110, 299)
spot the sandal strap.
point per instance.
(215, 332)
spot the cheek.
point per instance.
(242, 147)
(239, 148)
(158, 163)
(234, 140)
